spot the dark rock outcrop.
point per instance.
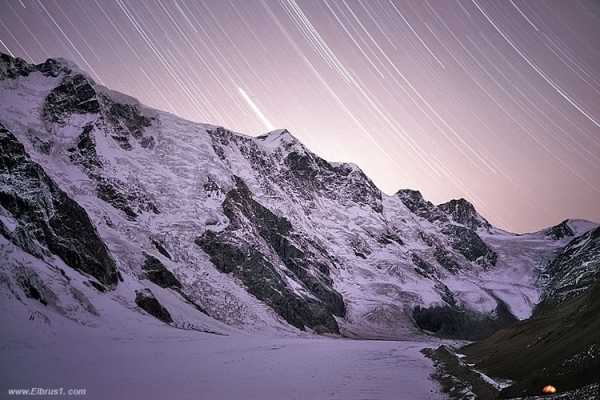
(47, 216)
(146, 301)
(127, 198)
(161, 249)
(127, 121)
(453, 321)
(424, 268)
(470, 245)
(446, 259)
(12, 68)
(237, 250)
(84, 153)
(574, 269)
(560, 231)
(461, 211)
(75, 95)
(156, 272)
(336, 181)
(31, 290)
(414, 201)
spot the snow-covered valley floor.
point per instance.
(180, 364)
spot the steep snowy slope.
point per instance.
(575, 269)
(255, 233)
(560, 344)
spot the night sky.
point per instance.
(495, 101)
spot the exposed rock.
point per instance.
(148, 142)
(40, 145)
(97, 286)
(31, 291)
(389, 238)
(560, 231)
(424, 268)
(452, 321)
(85, 151)
(34, 287)
(262, 280)
(146, 301)
(461, 211)
(308, 176)
(129, 199)
(11, 68)
(161, 249)
(360, 247)
(211, 186)
(574, 269)
(156, 272)
(47, 216)
(75, 95)
(54, 67)
(447, 295)
(242, 257)
(446, 259)
(413, 200)
(127, 121)
(470, 245)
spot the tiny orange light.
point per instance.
(549, 389)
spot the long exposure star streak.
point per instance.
(495, 101)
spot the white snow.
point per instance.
(117, 351)
(581, 226)
(378, 290)
(149, 360)
(202, 366)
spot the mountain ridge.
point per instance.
(260, 232)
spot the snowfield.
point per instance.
(160, 362)
(146, 256)
(116, 351)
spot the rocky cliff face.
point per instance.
(574, 270)
(39, 217)
(256, 232)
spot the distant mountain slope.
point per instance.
(208, 227)
(574, 270)
(560, 344)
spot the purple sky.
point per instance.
(495, 101)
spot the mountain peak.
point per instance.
(559, 231)
(463, 212)
(13, 67)
(569, 228)
(292, 229)
(414, 201)
(575, 268)
(279, 138)
(410, 193)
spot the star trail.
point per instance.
(494, 101)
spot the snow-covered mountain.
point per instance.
(560, 342)
(111, 210)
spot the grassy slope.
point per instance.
(533, 352)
